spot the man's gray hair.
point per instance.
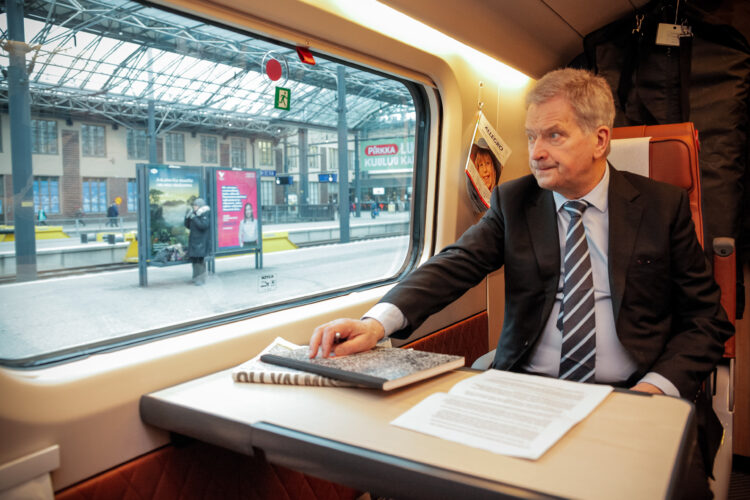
(588, 94)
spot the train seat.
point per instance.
(673, 158)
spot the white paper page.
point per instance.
(504, 412)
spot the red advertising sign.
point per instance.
(237, 209)
(381, 149)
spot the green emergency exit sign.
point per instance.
(282, 98)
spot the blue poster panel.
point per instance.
(171, 191)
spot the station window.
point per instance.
(132, 196)
(292, 163)
(266, 192)
(313, 158)
(209, 149)
(92, 140)
(238, 153)
(137, 144)
(47, 194)
(127, 69)
(314, 196)
(44, 137)
(94, 195)
(265, 153)
(175, 147)
(332, 159)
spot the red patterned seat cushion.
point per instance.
(201, 471)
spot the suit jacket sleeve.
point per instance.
(453, 271)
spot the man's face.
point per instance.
(564, 158)
(486, 170)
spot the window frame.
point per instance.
(265, 152)
(41, 142)
(43, 183)
(86, 142)
(241, 160)
(416, 240)
(174, 147)
(205, 149)
(132, 199)
(100, 181)
(132, 138)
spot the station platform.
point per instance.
(65, 315)
(77, 246)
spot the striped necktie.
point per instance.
(576, 318)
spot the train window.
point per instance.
(333, 147)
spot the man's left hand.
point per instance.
(646, 387)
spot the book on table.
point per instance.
(384, 368)
(258, 372)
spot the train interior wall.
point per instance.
(89, 408)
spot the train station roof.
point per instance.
(108, 59)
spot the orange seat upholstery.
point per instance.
(673, 158)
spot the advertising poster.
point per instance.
(171, 191)
(387, 154)
(484, 165)
(237, 209)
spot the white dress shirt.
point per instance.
(613, 362)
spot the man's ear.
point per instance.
(603, 135)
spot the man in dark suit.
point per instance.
(653, 322)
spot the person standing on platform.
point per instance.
(113, 212)
(79, 217)
(42, 217)
(605, 280)
(198, 223)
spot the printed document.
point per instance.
(505, 413)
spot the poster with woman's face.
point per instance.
(237, 208)
(484, 166)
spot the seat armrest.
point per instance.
(725, 273)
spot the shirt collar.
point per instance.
(597, 197)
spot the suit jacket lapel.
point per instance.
(542, 224)
(625, 214)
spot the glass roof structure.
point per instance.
(111, 58)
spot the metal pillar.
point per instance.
(343, 146)
(286, 186)
(357, 184)
(144, 216)
(303, 167)
(20, 138)
(151, 111)
(151, 132)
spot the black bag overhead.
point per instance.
(703, 77)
